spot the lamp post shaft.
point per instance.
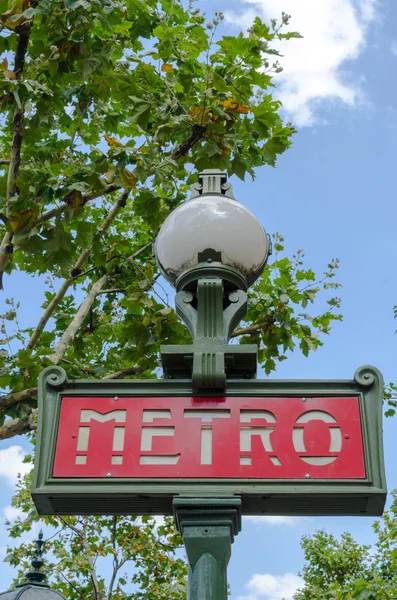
(208, 527)
(208, 555)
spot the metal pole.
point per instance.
(208, 527)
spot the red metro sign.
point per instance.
(254, 438)
(284, 447)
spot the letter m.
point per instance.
(118, 434)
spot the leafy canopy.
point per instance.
(112, 108)
(105, 558)
(108, 109)
(345, 570)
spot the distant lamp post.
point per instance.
(34, 587)
(212, 249)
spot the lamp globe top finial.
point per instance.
(212, 181)
(35, 575)
(34, 588)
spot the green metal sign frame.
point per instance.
(155, 496)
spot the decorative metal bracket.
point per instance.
(211, 314)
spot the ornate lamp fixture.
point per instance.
(211, 249)
(34, 587)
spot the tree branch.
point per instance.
(31, 394)
(82, 534)
(87, 106)
(70, 583)
(55, 302)
(6, 246)
(16, 397)
(77, 267)
(249, 330)
(140, 251)
(197, 134)
(14, 427)
(58, 210)
(75, 325)
(124, 373)
(22, 162)
(87, 549)
(113, 291)
(116, 565)
(76, 530)
(18, 121)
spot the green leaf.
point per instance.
(239, 167)
(159, 32)
(140, 112)
(17, 98)
(73, 4)
(29, 13)
(85, 233)
(59, 240)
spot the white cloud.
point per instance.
(334, 32)
(393, 48)
(158, 522)
(11, 463)
(273, 520)
(25, 538)
(11, 513)
(272, 587)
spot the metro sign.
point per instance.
(258, 438)
(123, 447)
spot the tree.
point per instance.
(330, 564)
(77, 214)
(110, 107)
(105, 558)
(345, 570)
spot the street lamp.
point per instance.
(212, 249)
(34, 587)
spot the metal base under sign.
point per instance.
(208, 527)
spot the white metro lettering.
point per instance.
(298, 437)
(249, 438)
(148, 433)
(86, 416)
(264, 431)
(206, 417)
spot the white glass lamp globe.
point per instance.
(214, 222)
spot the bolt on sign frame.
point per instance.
(304, 447)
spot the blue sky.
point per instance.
(332, 194)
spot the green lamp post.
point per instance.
(209, 441)
(212, 249)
